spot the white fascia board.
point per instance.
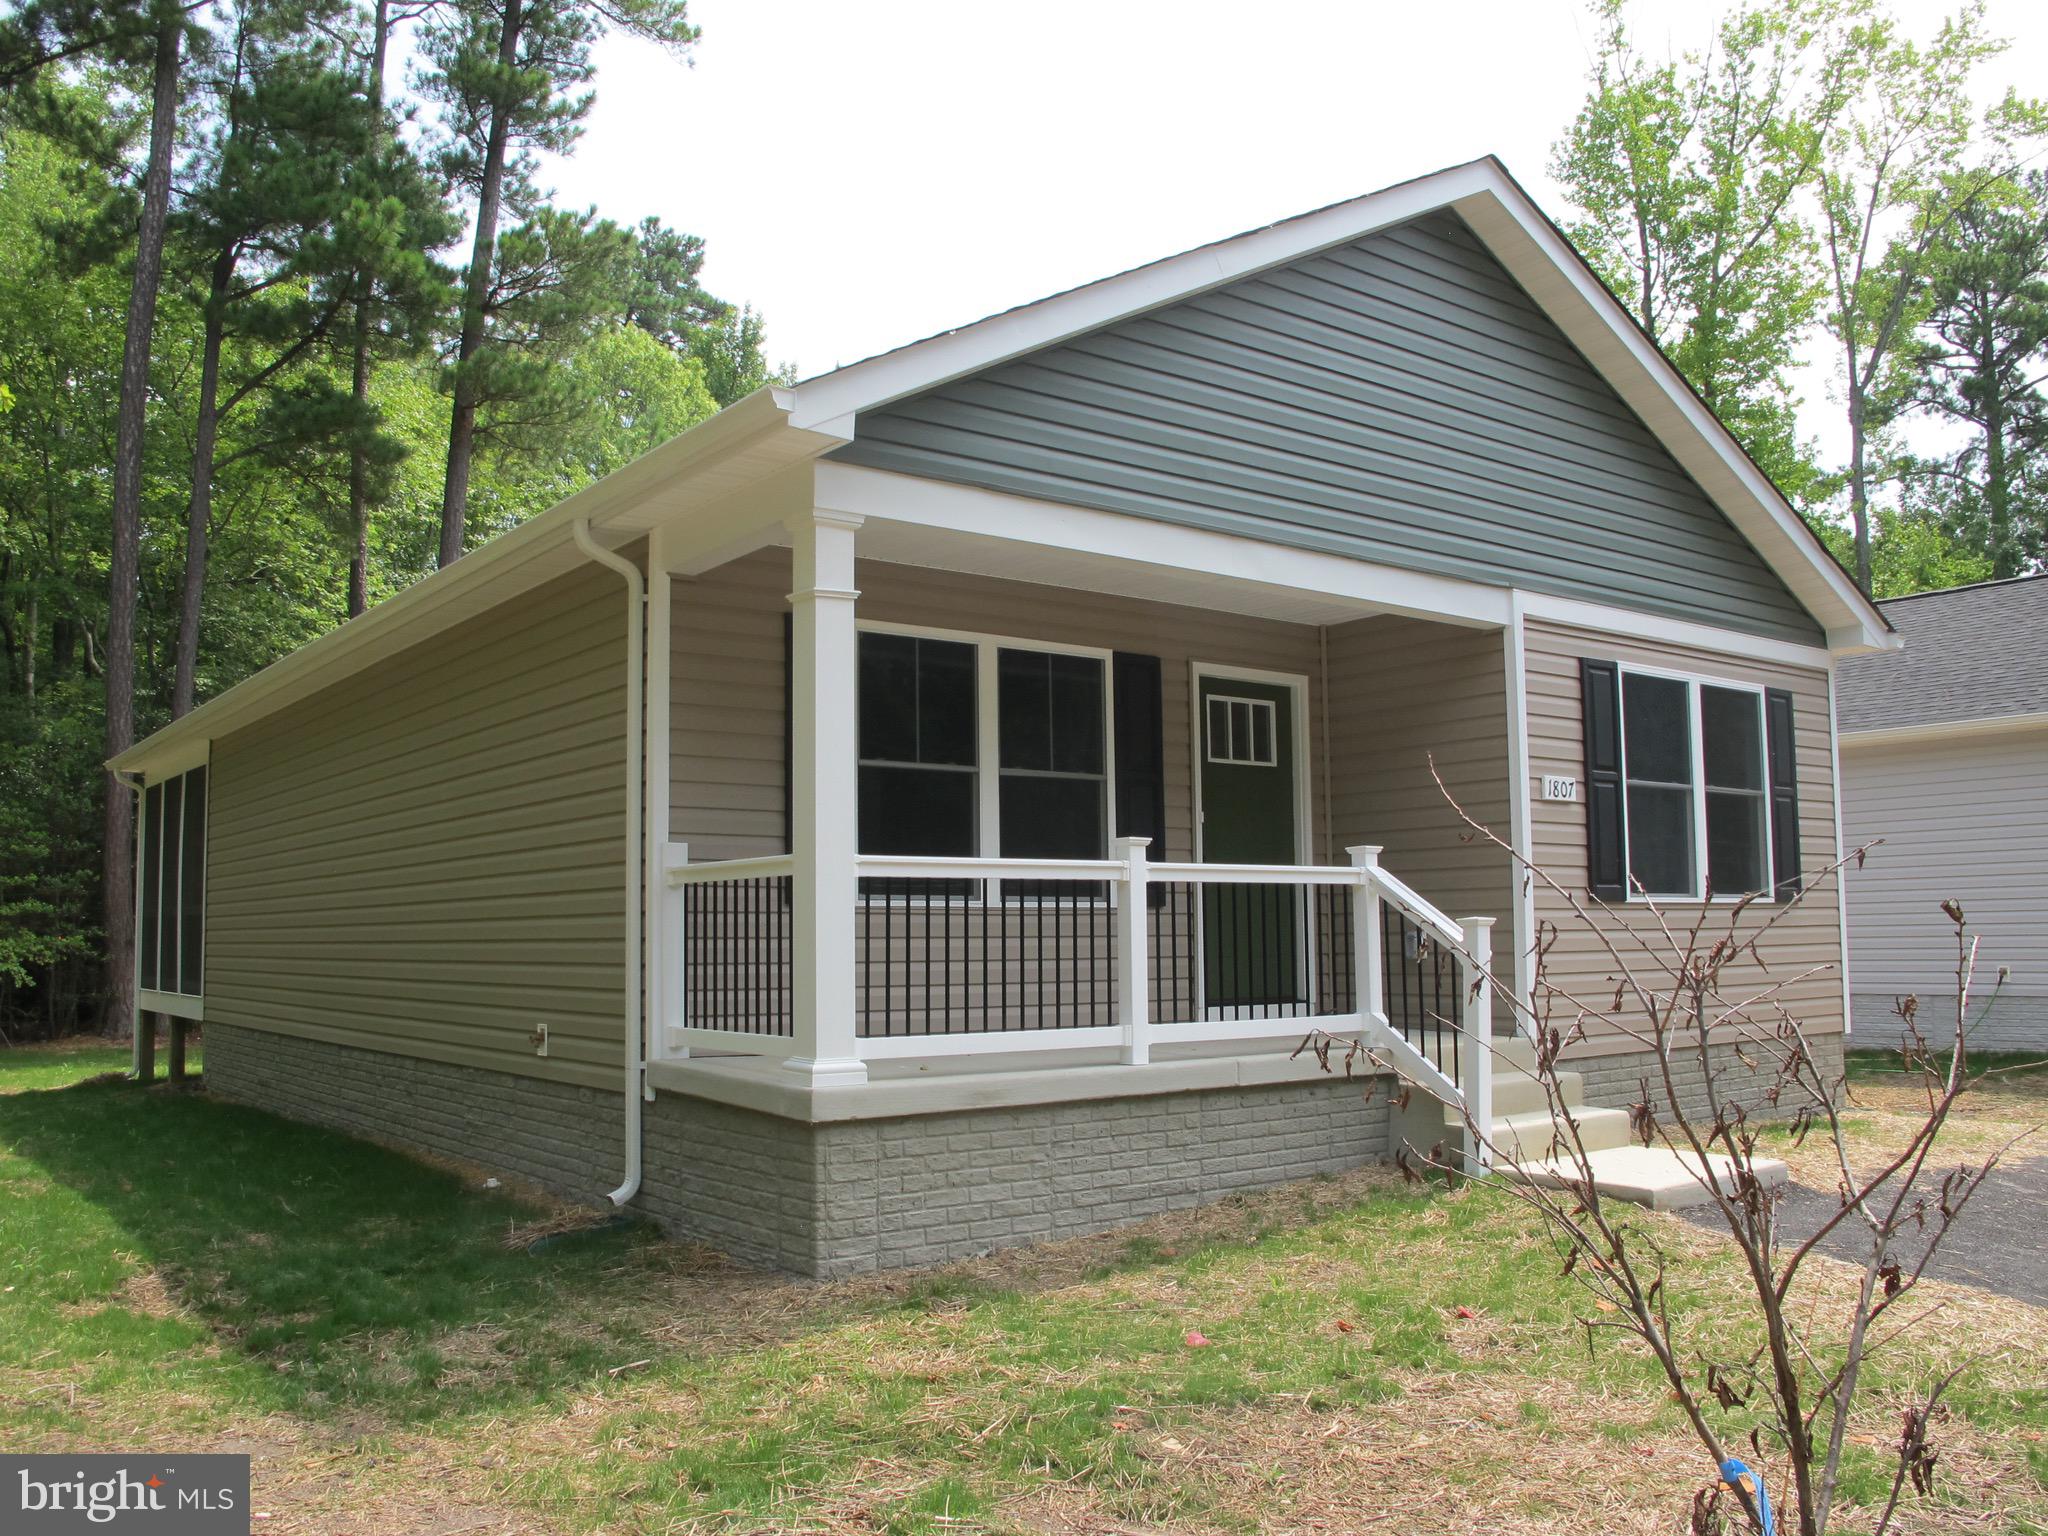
(885, 495)
(1635, 624)
(922, 365)
(1945, 730)
(514, 562)
(1526, 243)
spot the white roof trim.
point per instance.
(515, 561)
(1509, 223)
(1946, 730)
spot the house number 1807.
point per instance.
(1557, 787)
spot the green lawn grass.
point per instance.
(179, 1269)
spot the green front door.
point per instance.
(1250, 934)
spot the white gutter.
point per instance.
(635, 1044)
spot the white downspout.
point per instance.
(635, 1044)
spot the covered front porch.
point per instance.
(1134, 797)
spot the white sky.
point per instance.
(868, 173)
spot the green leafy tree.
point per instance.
(732, 356)
(270, 182)
(148, 40)
(1904, 159)
(1910, 551)
(510, 77)
(1979, 363)
(1688, 174)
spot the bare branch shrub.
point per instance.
(1773, 1370)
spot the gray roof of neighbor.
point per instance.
(1971, 653)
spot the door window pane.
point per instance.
(1241, 731)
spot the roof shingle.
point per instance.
(1971, 653)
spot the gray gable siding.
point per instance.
(1399, 400)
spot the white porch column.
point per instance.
(823, 768)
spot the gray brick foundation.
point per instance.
(1617, 1081)
(827, 1199)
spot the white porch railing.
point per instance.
(983, 956)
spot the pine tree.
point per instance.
(1981, 362)
(269, 184)
(395, 217)
(509, 75)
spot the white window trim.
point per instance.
(987, 770)
(1694, 681)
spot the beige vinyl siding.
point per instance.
(1401, 692)
(1965, 818)
(426, 858)
(726, 708)
(1805, 944)
(1404, 691)
(727, 683)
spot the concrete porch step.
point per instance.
(1530, 1135)
(1656, 1177)
(1515, 1092)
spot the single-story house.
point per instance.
(1945, 758)
(923, 807)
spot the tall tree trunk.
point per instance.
(1859, 488)
(359, 451)
(33, 627)
(2005, 554)
(462, 428)
(199, 510)
(118, 828)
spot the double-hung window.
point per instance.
(973, 747)
(1695, 786)
(170, 878)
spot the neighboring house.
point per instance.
(1945, 758)
(1039, 721)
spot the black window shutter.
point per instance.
(1140, 728)
(1784, 792)
(1606, 841)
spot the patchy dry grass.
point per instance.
(399, 1355)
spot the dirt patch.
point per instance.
(145, 1292)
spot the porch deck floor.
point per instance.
(940, 1084)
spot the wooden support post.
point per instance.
(175, 1061)
(145, 1047)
